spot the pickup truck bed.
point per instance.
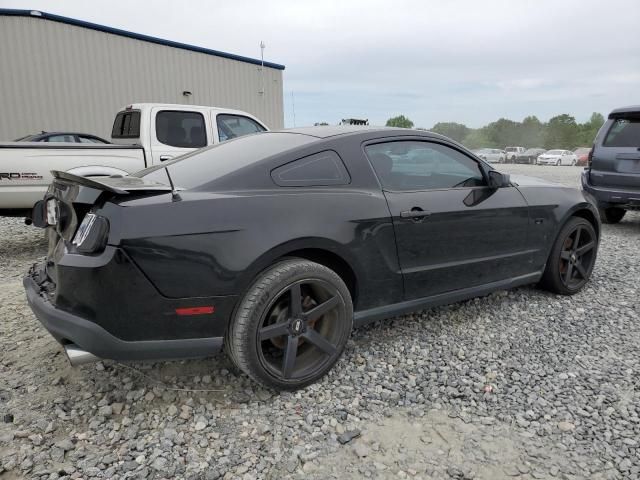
(25, 168)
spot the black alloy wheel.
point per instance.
(572, 258)
(292, 325)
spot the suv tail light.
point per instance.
(590, 157)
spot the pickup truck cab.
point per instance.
(143, 134)
(613, 172)
(513, 152)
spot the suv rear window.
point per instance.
(624, 132)
(126, 125)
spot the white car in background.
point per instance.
(491, 155)
(558, 157)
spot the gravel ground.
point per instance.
(518, 384)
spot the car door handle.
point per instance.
(416, 213)
(164, 158)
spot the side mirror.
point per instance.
(499, 180)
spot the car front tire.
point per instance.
(292, 325)
(572, 258)
(611, 214)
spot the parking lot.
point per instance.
(518, 384)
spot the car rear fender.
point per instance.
(320, 250)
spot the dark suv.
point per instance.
(613, 173)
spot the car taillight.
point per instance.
(52, 211)
(590, 157)
(91, 236)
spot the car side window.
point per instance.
(181, 129)
(416, 165)
(319, 169)
(84, 139)
(61, 138)
(232, 126)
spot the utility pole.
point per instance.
(262, 47)
(293, 106)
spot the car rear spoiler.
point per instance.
(120, 185)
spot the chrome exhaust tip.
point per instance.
(77, 356)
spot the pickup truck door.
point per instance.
(175, 131)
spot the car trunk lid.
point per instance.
(70, 197)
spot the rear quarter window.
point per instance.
(624, 132)
(320, 169)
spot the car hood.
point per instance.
(526, 181)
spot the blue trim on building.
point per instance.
(137, 36)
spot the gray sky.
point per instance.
(469, 61)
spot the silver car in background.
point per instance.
(491, 155)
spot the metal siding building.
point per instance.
(61, 74)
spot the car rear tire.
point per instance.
(611, 214)
(572, 258)
(292, 325)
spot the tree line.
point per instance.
(561, 131)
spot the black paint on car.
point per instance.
(274, 245)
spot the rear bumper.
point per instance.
(611, 196)
(67, 328)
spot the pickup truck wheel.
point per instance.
(572, 258)
(291, 325)
(611, 214)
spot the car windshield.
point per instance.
(211, 163)
(26, 138)
(511, 149)
(555, 152)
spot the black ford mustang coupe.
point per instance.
(275, 245)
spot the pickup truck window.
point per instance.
(181, 129)
(126, 125)
(232, 126)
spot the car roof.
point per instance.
(43, 134)
(333, 131)
(630, 108)
(148, 105)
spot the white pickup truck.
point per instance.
(143, 134)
